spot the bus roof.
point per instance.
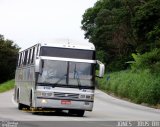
(68, 44)
(65, 44)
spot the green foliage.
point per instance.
(139, 87)
(6, 86)
(118, 63)
(8, 58)
(122, 27)
(146, 24)
(148, 60)
(108, 26)
(101, 55)
(127, 30)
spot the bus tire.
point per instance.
(58, 110)
(30, 100)
(20, 106)
(32, 109)
(79, 113)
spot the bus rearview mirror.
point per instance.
(38, 65)
(101, 69)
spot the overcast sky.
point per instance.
(28, 22)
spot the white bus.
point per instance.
(59, 76)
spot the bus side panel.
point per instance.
(25, 82)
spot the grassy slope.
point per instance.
(6, 86)
(139, 87)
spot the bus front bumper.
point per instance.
(63, 104)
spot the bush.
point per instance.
(7, 86)
(148, 60)
(139, 87)
(8, 58)
(101, 55)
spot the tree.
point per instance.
(8, 58)
(146, 23)
(119, 28)
(108, 26)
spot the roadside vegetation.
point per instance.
(8, 57)
(139, 87)
(126, 34)
(140, 83)
(7, 86)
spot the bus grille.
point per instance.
(66, 95)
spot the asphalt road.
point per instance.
(106, 108)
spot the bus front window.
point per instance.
(60, 73)
(53, 71)
(80, 74)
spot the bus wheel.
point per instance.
(20, 106)
(32, 109)
(58, 110)
(79, 113)
(30, 101)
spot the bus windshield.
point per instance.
(60, 73)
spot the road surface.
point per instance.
(106, 108)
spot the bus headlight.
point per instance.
(47, 94)
(92, 97)
(38, 93)
(44, 94)
(82, 96)
(88, 97)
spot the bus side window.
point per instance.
(28, 53)
(25, 58)
(33, 55)
(22, 59)
(29, 56)
(38, 49)
(19, 59)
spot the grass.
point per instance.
(139, 87)
(7, 86)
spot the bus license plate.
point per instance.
(65, 102)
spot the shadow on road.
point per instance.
(51, 113)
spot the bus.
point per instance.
(57, 76)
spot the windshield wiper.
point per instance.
(56, 83)
(78, 80)
(77, 77)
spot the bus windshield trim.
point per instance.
(68, 59)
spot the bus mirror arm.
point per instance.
(101, 69)
(98, 76)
